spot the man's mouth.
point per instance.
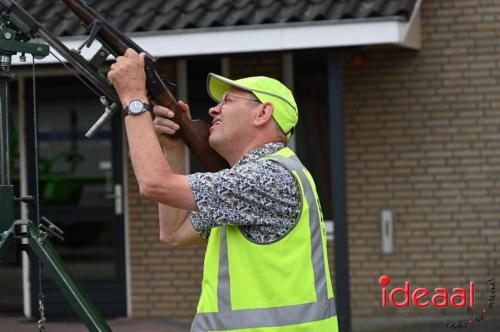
(215, 123)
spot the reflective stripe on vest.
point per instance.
(323, 308)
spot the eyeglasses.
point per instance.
(224, 99)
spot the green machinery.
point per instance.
(15, 37)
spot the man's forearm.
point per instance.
(145, 150)
(154, 175)
(171, 218)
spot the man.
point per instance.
(265, 266)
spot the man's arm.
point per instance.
(184, 236)
(154, 175)
(175, 227)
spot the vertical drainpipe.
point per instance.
(182, 94)
(337, 159)
(287, 76)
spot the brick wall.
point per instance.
(423, 138)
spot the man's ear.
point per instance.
(265, 114)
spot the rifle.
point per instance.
(193, 132)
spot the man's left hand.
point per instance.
(128, 77)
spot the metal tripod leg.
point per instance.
(7, 243)
(28, 235)
(7, 247)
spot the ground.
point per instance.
(17, 323)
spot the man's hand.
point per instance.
(165, 126)
(128, 77)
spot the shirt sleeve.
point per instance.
(249, 194)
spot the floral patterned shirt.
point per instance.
(260, 196)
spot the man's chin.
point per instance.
(213, 142)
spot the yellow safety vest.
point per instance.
(280, 286)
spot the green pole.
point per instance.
(6, 188)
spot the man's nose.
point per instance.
(213, 111)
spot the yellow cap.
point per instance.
(266, 89)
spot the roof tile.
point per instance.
(156, 15)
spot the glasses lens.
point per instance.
(223, 100)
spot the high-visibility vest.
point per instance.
(279, 286)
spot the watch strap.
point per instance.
(147, 108)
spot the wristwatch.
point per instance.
(136, 107)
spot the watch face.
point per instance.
(136, 106)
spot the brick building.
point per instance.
(398, 103)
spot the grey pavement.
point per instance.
(16, 323)
(423, 324)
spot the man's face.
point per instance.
(232, 119)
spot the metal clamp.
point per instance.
(94, 30)
(109, 110)
(51, 229)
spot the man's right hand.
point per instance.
(163, 119)
(165, 126)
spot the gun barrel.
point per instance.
(109, 35)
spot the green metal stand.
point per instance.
(23, 234)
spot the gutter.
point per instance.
(392, 30)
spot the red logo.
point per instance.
(423, 297)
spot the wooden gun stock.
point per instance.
(193, 132)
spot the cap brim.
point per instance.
(217, 85)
